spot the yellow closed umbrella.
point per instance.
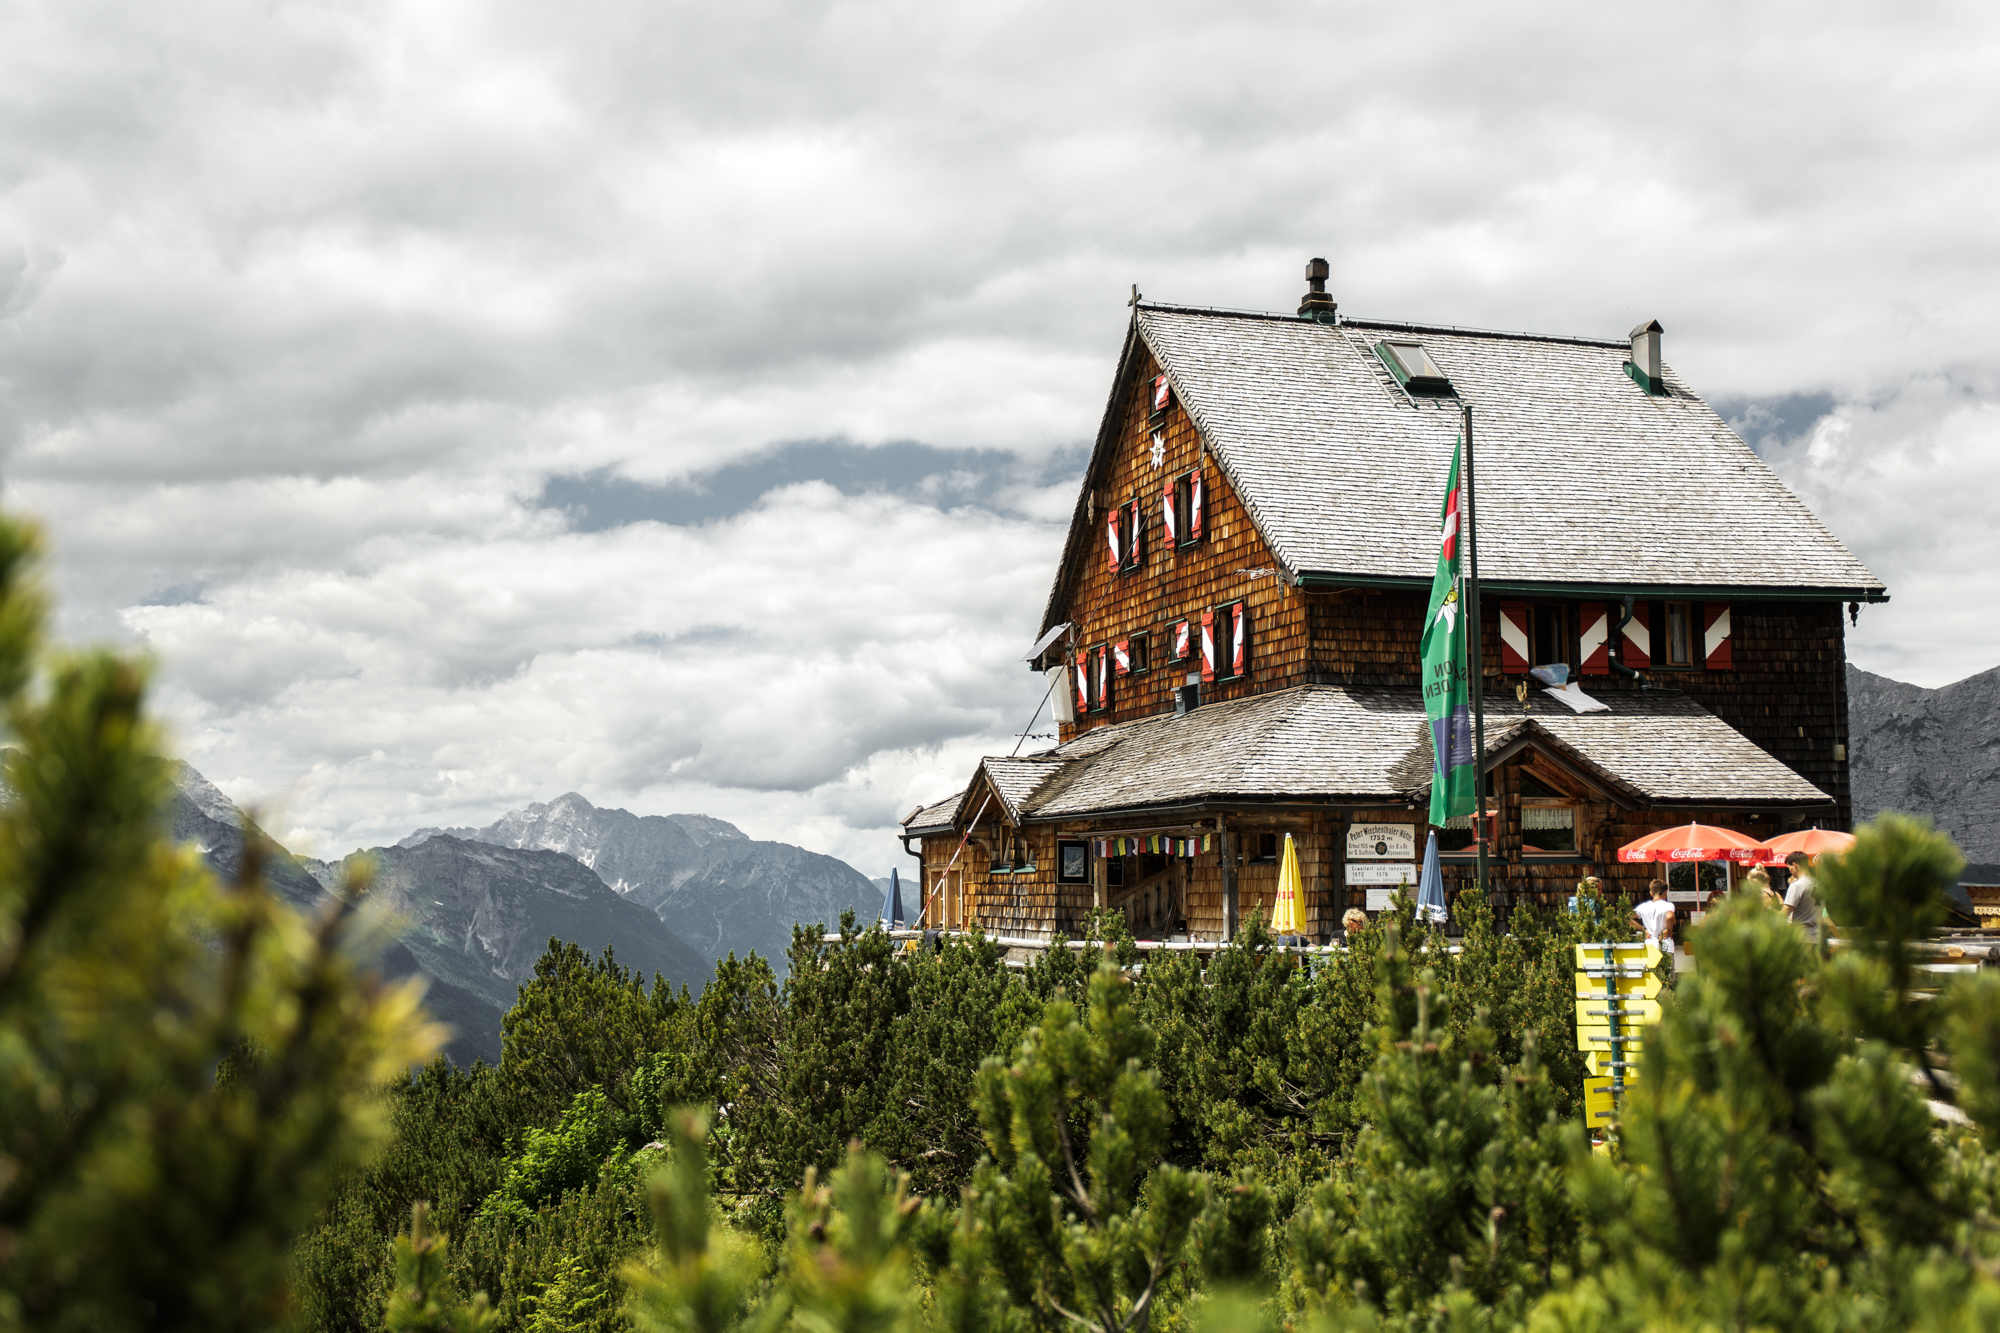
(1285, 912)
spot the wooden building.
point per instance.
(1233, 628)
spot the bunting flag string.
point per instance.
(1158, 844)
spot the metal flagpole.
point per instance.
(1475, 633)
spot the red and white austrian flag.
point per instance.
(1448, 529)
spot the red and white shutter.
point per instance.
(1715, 635)
(1239, 632)
(1514, 647)
(1083, 681)
(1111, 518)
(1208, 644)
(1103, 677)
(1162, 393)
(1197, 508)
(1135, 553)
(1595, 638)
(1637, 649)
(1167, 515)
(1121, 656)
(1182, 647)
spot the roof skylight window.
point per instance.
(1413, 368)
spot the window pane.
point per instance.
(1415, 361)
(1677, 634)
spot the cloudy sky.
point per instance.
(680, 404)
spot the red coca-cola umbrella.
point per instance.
(1811, 841)
(1695, 842)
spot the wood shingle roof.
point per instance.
(1584, 479)
(1373, 744)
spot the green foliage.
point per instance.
(134, 1188)
(962, 1007)
(423, 1301)
(1081, 1229)
(591, 1137)
(582, 1023)
(701, 1275)
(1781, 1166)
(1455, 1192)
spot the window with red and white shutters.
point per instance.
(1163, 393)
(1208, 645)
(1636, 649)
(1715, 636)
(1593, 622)
(1515, 645)
(1135, 534)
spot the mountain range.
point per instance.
(1929, 752)
(716, 888)
(480, 905)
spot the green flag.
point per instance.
(1447, 682)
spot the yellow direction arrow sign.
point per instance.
(1598, 1106)
(1592, 988)
(1596, 1013)
(1597, 1059)
(1645, 953)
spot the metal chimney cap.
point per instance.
(1316, 304)
(1650, 326)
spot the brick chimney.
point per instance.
(1316, 304)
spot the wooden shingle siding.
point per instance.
(1173, 583)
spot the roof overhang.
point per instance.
(1323, 581)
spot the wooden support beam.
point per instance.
(1230, 920)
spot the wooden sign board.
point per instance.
(1593, 988)
(1631, 1013)
(1382, 842)
(1383, 872)
(1598, 1060)
(1640, 952)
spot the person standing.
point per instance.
(1655, 916)
(1800, 902)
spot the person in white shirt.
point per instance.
(1800, 903)
(1656, 916)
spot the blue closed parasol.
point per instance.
(1430, 886)
(892, 903)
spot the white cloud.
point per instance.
(301, 305)
(1907, 476)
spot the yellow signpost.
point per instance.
(1617, 998)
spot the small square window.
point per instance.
(1225, 644)
(1188, 518)
(1132, 532)
(1264, 850)
(1679, 635)
(1412, 366)
(1098, 665)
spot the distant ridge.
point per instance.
(1929, 752)
(720, 890)
(479, 915)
